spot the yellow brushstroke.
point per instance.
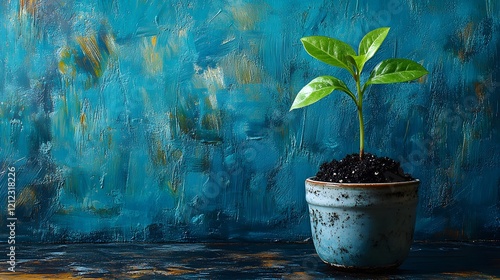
(298, 275)
(176, 271)
(29, 6)
(153, 59)
(479, 89)
(83, 121)
(248, 71)
(267, 259)
(35, 276)
(466, 36)
(171, 271)
(104, 212)
(211, 102)
(110, 43)
(158, 154)
(467, 33)
(92, 53)
(65, 211)
(28, 21)
(161, 156)
(270, 259)
(211, 121)
(27, 197)
(245, 71)
(153, 41)
(184, 123)
(66, 66)
(247, 15)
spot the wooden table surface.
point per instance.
(238, 261)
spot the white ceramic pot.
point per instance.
(362, 226)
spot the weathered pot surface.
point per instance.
(362, 226)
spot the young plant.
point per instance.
(340, 54)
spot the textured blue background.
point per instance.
(168, 120)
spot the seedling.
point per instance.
(339, 54)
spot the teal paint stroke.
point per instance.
(168, 120)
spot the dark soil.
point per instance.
(371, 169)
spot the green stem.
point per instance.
(361, 132)
(359, 104)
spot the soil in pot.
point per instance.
(371, 169)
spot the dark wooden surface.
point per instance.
(239, 261)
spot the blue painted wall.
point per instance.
(168, 120)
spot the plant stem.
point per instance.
(361, 132)
(359, 105)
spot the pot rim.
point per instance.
(361, 185)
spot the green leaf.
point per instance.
(329, 50)
(396, 70)
(372, 41)
(317, 89)
(358, 61)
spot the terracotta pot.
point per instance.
(362, 226)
